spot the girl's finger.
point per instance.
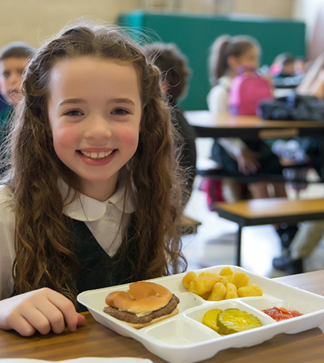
(22, 326)
(54, 317)
(38, 320)
(66, 308)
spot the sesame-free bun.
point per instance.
(141, 298)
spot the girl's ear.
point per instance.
(165, 87)
(232, 62)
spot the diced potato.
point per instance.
(201, 285)
(240, 279)
(205, 296)
(218, 292)
(251, 290)
(224, 280)
(188, 277)
(231, 292)
(227, 273)
(214, 275)
(210, 274)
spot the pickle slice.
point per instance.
(210, 319)
(232, 321)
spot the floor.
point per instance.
(215, 242)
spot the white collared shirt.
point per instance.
(102, 218)
(217, 101)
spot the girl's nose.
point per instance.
(98, 128)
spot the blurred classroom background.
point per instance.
(296, 26)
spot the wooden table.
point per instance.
(94, 340)
(249, 127)
(252, 127)
(257, 212)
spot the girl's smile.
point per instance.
(96, 157)
(94, 110)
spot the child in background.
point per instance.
(92, 197)
(173, 65)
(14, 59)
(237, 156)
(286, 65)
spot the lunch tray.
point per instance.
(184, 339)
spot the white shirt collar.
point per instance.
(86, 209)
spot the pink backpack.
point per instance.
(246, 91)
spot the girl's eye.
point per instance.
(120, 111)
(74, 113)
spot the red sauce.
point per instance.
(280, 314)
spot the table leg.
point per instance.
(239, 240)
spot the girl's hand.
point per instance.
(42, 310)
(248, 162)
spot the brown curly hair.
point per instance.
(43, 255)
(173, 64)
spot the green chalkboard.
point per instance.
(195, 34)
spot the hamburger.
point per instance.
(144, 303)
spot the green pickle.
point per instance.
(210, 319)
(232, 321)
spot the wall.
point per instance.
(312, 13)
(33, 21)
(194, 35)
(273, 8)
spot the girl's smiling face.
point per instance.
(95, 110)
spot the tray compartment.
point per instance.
(180, 331)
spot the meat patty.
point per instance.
(134, 319)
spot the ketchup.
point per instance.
(280, 314)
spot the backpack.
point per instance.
(246, 91)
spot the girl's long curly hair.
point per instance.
(43, 254)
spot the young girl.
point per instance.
(239, 156)
(92, 197)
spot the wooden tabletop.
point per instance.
(94, 340)
(271, 210)
(225, 125)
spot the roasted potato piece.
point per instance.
(214, 275)
(231, 291)
(250, 290)
(240, 279)
(205, 296)
(218, 292)
(227, 273)
(188, 277)
(210, 274)
(202, 285)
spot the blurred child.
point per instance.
(92, 197)
(286, 65)
(14, 59)
(237, 156)
(175, 72)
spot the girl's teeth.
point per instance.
(93, 155)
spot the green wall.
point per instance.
(195, 34)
